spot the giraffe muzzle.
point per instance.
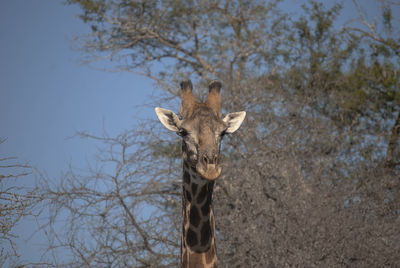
(210, 171)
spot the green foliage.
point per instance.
(354, 81)
(93, 9)
(387, 18)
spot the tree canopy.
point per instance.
(311, 179)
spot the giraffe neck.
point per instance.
(198, 232)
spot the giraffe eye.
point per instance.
(182, 132)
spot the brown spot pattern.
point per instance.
(191, 238)
(188, 196)
(206, 208)
(194, 189)
(186, 177)
(205, 233)
(194, 216)
(202, 194)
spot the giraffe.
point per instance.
(201, 128)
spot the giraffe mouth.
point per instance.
(209, 172)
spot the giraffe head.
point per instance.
(201, 128)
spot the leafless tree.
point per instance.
(16, 202)
(305, 181)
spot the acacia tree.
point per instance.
(383, 74)
(298, 188)
(16, 202)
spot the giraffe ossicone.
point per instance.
(202, 129)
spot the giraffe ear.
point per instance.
(234, 121)
(168, 118)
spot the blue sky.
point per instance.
(47, 95)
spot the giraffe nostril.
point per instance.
(205, 159)
(216, 159)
